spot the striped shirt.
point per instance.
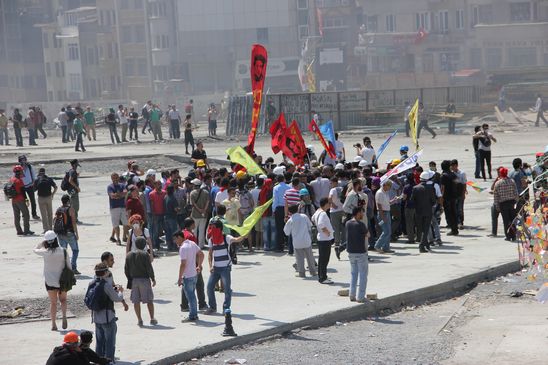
(221, 257)
(292, 197)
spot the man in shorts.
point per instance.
(140, 275)
(116, 198)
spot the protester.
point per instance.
(64, 225)
(17, 121)
(79, 131)
(171, 209)
(116, 197)
(382, 199)
(157, 207)
(71, 185)
(110, 121)
(423, 121)
(450, 196)
(86, 338)
(28, 179)
(138, 230)
(122, 116)
(199, 200)
(4, 135)
(43, 186)
(506, 195)
(325, 239)
(140, 275)
(484, 149)
(189, 227)
(539, 109)
(299, 227)
(175, 121)
(191, 263)
(55, 260)
(69, 353)
(189, 138)
(357, 233)
(423, 198)
(461, 191)
(89, 124)
(15, 190)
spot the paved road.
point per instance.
(484, 326)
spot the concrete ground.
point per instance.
(266, 293)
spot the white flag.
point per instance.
(405, 165)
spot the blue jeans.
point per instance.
(434, 232)
(105, 337)
(70, 240)
(269, 233)
(32, 136)
(170, 227)
(478, 165)
(384, 219)
(222, 273)
(358, 269)
(189, 288)
(64, 134)
(157, 225)
(4, 136)
(18, 136)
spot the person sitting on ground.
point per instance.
(86, 338)
(69, 353)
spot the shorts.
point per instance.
(48, 288)
(118, 217)
(141, 291)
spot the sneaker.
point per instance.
(153, 322)
(461, 226)
(389, 251)
(326, 281)
(210, 311)
(203, 308)
(188, 319)
(112, 239)
(140, 323)
(352, 299)
(363, 300)
(36, 217)
(28, 233)
(300, 275)
(20, 233)
(76, 272)
(295, 267)
(492, 235)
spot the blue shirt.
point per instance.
(214, 190)
(116, 203)
(148, 189)
(278, 194)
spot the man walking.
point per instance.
(299, 228)
(71, 185)
(145, 113)
(133, 118)
(63, 123)
(43, 186)
(122, 119)
(15, 190)
(28, 179)
(382, 200)
(64, 224)
(357, 235)
(4, 136)
(102, 311)
(89, 117)
(325, 239)
(191, 262)
(117, 203)
(539, 108)
(140, 274)
(175, 122)
(424, 200)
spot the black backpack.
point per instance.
(96, 299)
(60, 221)
(9, 190)
(65, 183)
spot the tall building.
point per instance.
(215, 38)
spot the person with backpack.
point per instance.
(15, 190)
(55, 260)
(140, 275)
(43, 186)
(28, 178)
(220, 263)
(64, 225)
(69, 353)
(71, 185)
(199, 200)
(100, 298)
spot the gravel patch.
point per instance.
(36, 309)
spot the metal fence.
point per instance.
(347, 109)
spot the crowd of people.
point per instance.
(345, 204)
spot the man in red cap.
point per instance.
(505, 195)
(69, 353)
(15, 190)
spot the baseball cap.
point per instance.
(279, 170)
(303, 192)
(362, 163)
(339, 166)
(75, 162)
(50, 236)
(196, 182)
(425, 175)
(71, 338)
(151, 172)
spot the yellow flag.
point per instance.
(414, 123)
(311, 79)
(250, 221)
(240, 156)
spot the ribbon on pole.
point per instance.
(240, 156)
(258, 74)
(384, 145)
(313, 127)
(403, 166)
(250, 221)
(414, 123)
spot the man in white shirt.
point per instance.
(122, 115)
(299, 227)
(539, 108)
(484, 149)
(339, 149)
(325, 239)
(321, 186)
(191, 262)
(336, 213)
(382, 200)
(368, 152)
(175, 122)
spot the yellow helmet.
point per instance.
(200, 163)
(240, 174)
(396, 162)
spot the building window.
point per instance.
(126, 34)
(493, 58)
(545, 60)
(482, 14)
(390, 23)
(45, 40)
(27, 82)
(449, 61)
(91, 56)
(60, 95)
(138, 4)
(522, 56)
(59, 69)
(129, 67)
(142, 67)
(428, 62)
(124, 4)
(74, 80)
(4, 81)
(372, 25)
(48, 69)
(262, 35)
(56, 42)
(459, 21)
(520, 11)
(475, 58)
(303, 31)
(109, 50)
(139, 34)
(73, 52)
(334, 22)
(423, 21)
(113, 83)
(443, 21)
(302, 4)
(303, 17)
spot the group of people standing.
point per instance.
(33, 121)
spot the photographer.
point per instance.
(367, 152)
(55, 260)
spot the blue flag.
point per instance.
(384, 145)
(328, 132)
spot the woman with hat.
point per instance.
(55, 260)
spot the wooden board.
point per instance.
(449, 115)
(498, 114)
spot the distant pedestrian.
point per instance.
(133, 118)
(325, 239)
(212, 115)
(44, 186)
(17, 120)
(64, 225)
(357, 235)
(110, 121)
(55, 260)
(384, 219)
(89, 123)
(122, 115)
(29, 175)
(175, 122)
(140, 275)
(80, 132)
(189, 138)
(539, 109)
(62, 117)
(145, 113)
(423, 121)
(451, 122)
(505, 196)
(117, 202)
(15, 190)
(4, 135)
(71, 184)
(191, 262)
(475, 144)
(484, 148)
(155, 123)
(424, 199)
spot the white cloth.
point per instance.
(122, 116)
(367, 154)
(54, 263)
(134, 237)
(298, 226)
(538, 105)
(221, 196)
(321, 187)
(173, 114)
(339, 150)
(383, 200)
(255, 194)
(334, 194)
(187, 253)
(481, 146)
(322, 221)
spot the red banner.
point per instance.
(258, 74)
(293, 144)
(313, 127)
(277, 130)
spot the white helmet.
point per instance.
(339, 166)
(363, 163)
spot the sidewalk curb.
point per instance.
(430, 293)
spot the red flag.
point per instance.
(277, 131)
(258, 74)
(313, 127)
(293, 144)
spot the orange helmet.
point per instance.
(17, 168)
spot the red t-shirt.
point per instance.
(157, 202)
(189, 236)
(134, 206)
(19, 187)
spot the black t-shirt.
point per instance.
(198, 155)
(448, 181)
(44, 185)
(133, 116)
(74, 175)
(355, 235)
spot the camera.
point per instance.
(357, 145)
